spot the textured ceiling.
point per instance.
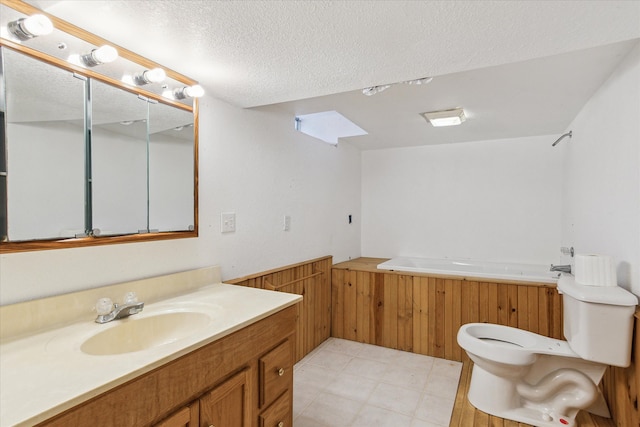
(256, 53)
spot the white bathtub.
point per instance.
(469, 268)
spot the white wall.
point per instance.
(601, 192)
(252, 163)
(487, 200)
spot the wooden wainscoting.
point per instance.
(422, 313)
(621, 386)
(311, 279)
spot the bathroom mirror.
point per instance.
(171, 168)
(118, 160)
(90, 155)
(44, 149)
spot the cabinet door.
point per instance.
(229, 404)
(185, 417)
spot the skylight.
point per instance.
(327, 126)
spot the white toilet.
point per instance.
(526, 377)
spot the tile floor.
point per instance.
(347, 384)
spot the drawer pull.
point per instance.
(280, 373)
(280, 424)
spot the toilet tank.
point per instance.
(598, 321)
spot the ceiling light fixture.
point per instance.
(101, 55)
(445, 117)
(33, 26)
(195, 91)
(155, 75)
(370, 91)
(422, 81)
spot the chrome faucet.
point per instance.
(561, 268)
(108, 311)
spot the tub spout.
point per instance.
(562, 268)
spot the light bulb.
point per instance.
(195, 91)
(155, 75)
(30, 27)
(38, 25)
(101, 55)
(105, 54)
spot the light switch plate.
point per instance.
(227, 222)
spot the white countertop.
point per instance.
(46, 373)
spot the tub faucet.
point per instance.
(108, 311)
(562, 268)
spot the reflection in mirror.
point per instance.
(171, 205)
(45, 149)
(118, 160)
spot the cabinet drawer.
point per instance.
(278, 414)
(276, 373)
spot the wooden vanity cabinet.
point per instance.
(242, 380)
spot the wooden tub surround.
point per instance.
(422, 313)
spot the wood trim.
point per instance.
(272, 287)
(39, 245)
(370, 265)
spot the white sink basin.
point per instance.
(141, 333)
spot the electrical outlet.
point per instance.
(227, 222)
(286, 226)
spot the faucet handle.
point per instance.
(130, 298)
(104, 306)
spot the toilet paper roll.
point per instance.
(595, 270)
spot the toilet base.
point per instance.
(498, 396)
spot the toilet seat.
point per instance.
(512, 346)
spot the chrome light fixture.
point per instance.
(422, 81)
(195, 91)
(155, 75)
(445, 117)
(30, 27)
(370, 91)
(101, 55)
